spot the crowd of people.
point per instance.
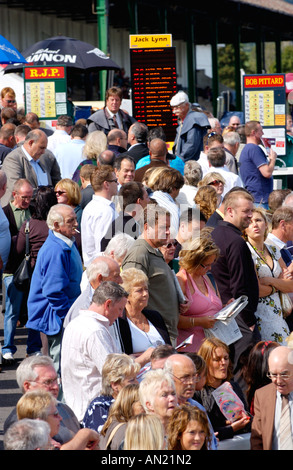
(131, 250)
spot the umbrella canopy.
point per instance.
(61, 50)
(8, 53)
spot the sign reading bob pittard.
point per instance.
(45, 91)
(265, 101)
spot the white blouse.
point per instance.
(142, 340)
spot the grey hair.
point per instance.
(288, 198)
(231, 138)
(55, 215)
(27, 434)
(192, 172)
(97, 266)
(26, 369)
(151, 383)
(108, 290)
(120, 244)
(140, 131)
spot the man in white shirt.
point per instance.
(210, 140)
(86, 344)
(99, 213)
(61, 134)
(217, 159)
(69, 154)
(282, 230)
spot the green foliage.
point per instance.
(226, 64)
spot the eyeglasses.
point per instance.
(178, 106)
(26, 198)
(188, 378)
(112, 181)
(283, 376)
(206, 266)
(215, 182)
(48, 383)
(175, 243)
(55, 414)
(10, 101)
(59, 193)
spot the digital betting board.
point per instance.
(154, 82)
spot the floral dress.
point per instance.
(270, 321)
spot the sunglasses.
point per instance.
(175, 243)
(10, 101)
(59, 193)
(215, 182)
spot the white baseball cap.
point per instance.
(179, 98)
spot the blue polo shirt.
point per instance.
(251, 158)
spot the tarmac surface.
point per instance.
(9, 391)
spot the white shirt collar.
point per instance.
(65, 239)
(27, 154)
(276, 241)
(98, 316)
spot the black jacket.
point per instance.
(125, 333)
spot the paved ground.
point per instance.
(9, 391)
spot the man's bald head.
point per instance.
(281, 369)
(158, 149)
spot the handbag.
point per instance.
(286, 304)
(22, 275)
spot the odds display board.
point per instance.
(45, 91)
(154, 82)
(265, 101)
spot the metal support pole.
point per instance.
(214, 36)
(260, 66)
(102, 20)
(190, 59)
(278, 54)
(162, 13)
(132, 10)
(237, 35)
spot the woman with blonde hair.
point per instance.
(40, 404)
(215, 180)
(68, 192)
(206, 199)
(126, 405)
(144, 432)
(118, 371)
(195, 260)
(269, 268)
(141, 329)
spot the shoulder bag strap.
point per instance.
(27, 231)
(113, 433)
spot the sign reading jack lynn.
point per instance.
(153, 72)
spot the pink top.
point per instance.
(202, 305)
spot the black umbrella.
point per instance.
(61, 50)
